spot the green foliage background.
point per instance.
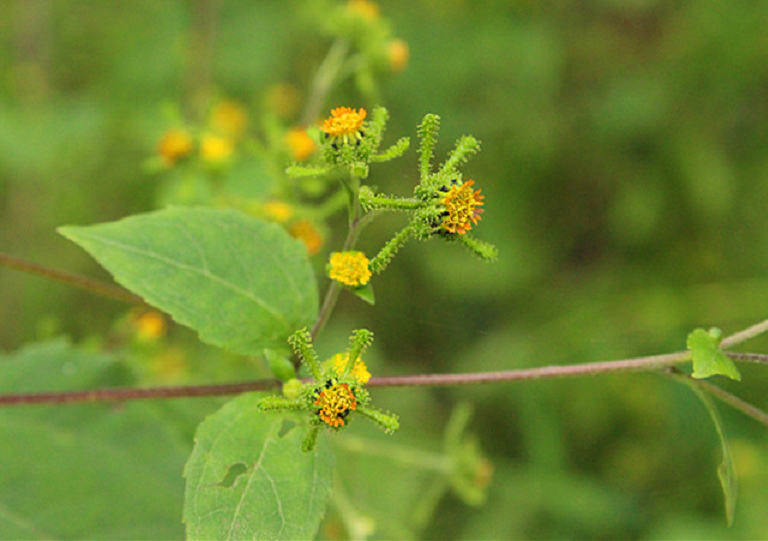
(625, 171)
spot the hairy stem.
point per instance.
(75, 280)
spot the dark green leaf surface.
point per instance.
(248, 478)
(241, 283)
(90, 471)
(708, 360)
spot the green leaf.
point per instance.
(248, 477)
(241, 283)
(726, 471)
(365, 293)
(708, 359)
(84, 471)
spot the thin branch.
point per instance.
(121, 395)
(746, 334)
(724, 396)
(324, 78)
(653, 362)
(735, 402)
(758, 358)
(75, 280)
(332, 294)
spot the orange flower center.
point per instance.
(461, 208)
(334, 403)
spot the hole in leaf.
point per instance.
(286, 427)
(235, 471)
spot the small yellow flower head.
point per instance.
(278, 211)
(365, 9)
(306, 232)
(359, 371)
(282, 99)
(461, 207)
(169, 366)
(173, 146)
(350, 268)
(229, 118)
(334, 403)
(300, 143)
(344, 122)
(398, 54)
(216, 150)
(149, 325)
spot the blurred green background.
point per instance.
(625, 171)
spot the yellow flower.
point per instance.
(215, 149)
(461, 207)
(278, 211)
(398, 53)
(169, 366)
(282, 99)
(350, 268)
(305, 231)
(344, 121)
(149, 325)
(359, 370)
(334, 403)
(174, 145)
(300, 144)
(364, 8)
(229, 118)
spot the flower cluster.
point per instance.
(349, 268)
(336, 390)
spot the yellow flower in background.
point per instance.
(343, 121)
(149, 325)
(305, 231)
(350, 268)
(174, 145)
(359, 370)
(461, 207)
(282, 99)
(169, 366)
(300, 143)
(398, 54)
(279, 211)
(229, 118)
(364, 8)
(216, 150)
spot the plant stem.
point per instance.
(89, 284)
(653, 362)
(637, 364)
(746, 334)
(724, 396)
(324, 79)
(120, 395)
(332, 294)
(748, 357)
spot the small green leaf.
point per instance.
(365, 292)
(248, 478)
(241, 283)
(708, 359)
(726, 471)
